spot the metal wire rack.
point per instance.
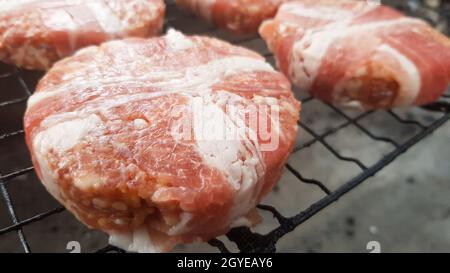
(17, 85)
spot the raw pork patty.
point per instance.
(36, 33)
(239, 16)
(154, 141)
(357, 54)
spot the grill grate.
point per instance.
(14, 81)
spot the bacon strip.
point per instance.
(138, 137)
(352, 53)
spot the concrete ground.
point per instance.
(405, 208)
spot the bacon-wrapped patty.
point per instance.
(36, 33)
(161, 141)
(239, 16)
(352, 53)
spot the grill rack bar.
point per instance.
(246, 240)
(331, 149)
(13, 216)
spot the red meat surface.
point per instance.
(137, 137)
(357, 54)
(36, 33)
(238, 16)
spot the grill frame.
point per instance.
(245, 239)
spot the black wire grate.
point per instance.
(14, 81)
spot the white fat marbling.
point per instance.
(225, 143)
(411, 81)
(137, 240)
(177, 41)
(313, 47)
(65, 135)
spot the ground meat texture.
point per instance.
(135, 137)
(238, 16)
(34, 34)
(359, 55)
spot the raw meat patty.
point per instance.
(361, 55)
(36, 33)
(239, 16)
(155, 141)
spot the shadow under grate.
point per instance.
(17, 85)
